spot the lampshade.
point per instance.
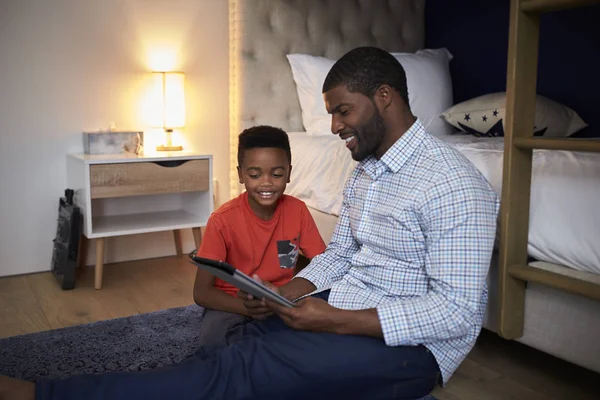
(169, 86)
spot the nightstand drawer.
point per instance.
(142, 178)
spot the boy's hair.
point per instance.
(263, 136)
(364, 69)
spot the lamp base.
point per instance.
(169, 148)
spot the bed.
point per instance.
(265, 90)
(565, 222)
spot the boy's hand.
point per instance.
(257, 308)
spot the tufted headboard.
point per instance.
(263, 32)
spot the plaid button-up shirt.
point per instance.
(414, 240)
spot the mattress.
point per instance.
(325, 223)
(564, 224)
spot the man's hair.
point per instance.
(263, 136)
(364, 69)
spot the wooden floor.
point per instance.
(495, 369)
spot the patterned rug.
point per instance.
(133, 343)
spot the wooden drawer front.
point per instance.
(141, 178)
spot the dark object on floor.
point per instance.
(66, 242)
(135, 343)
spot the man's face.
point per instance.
(357, 121)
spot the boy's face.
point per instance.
(265, 173)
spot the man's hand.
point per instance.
(257, 308)
(317, 315)
(310, 314)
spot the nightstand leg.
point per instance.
(82, 252)
(99, 263)
(197, 236)
(177, 237)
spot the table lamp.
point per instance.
(170, 86)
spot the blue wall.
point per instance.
(476, 33)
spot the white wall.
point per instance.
(70, 65)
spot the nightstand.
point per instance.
(126, 194)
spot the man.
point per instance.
(397, 298)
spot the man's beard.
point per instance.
(369, 137)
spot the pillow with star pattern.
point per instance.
(483, 116)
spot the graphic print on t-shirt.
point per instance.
(287, 250)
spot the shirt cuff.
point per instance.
(314, 276)
(393, 325)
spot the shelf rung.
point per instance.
(558, 144)
(553, 5)
(573, 281)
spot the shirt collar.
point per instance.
(398, 154)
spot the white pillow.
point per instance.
(427, 76)
(484, 116)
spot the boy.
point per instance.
(260, 232)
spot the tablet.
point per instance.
(240, 280)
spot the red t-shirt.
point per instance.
(267, 248)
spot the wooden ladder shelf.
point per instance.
(519, 143)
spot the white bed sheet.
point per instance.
(564, 226)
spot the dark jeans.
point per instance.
(269, 360)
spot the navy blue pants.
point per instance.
(269, 361)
